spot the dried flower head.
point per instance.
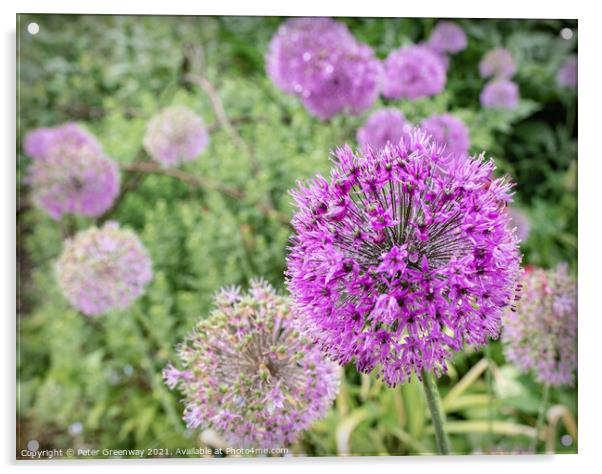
(320, 61)
(175, 135)
(500, 93)
(70, 137)
(450, 131)
(447, 37)
(497, 63)
(249, 372)
(403, 256)
(383, 126)
(567, 74)
(102, 269)
(541, 335)
(69, 173)
(413, 71)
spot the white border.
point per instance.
(590, 233)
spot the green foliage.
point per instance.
(112, 74)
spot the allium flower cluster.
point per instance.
(497, 63)
(521, 222)
(447, 38)
(383, 126)
(500, 93)
(320, 61)
(69, 173)
(402, 256)
(249, 372)
(412, 72)
(175, 135)
(102, 269)
(542, 334)
(55, 140)
(450, 131)
(567, 74)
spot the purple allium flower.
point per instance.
(404, 255)
(497, 63)
(175, 135)
(567, 75)
(447, 37)
(412, 72)
(69, 136)
(320, 61)
(450, 131)
(102, 269)
(521, 221)
(500, 93)
(542, 334)
(383, 126)
(250, 373)
(70, 177)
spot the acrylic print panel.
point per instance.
(262, 236)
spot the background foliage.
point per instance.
(97, 382)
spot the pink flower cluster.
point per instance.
(500, 92)
(450, 131)
(383, 126)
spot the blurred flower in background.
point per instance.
(449, 131)
(320, 61)
(447, 37)
(500, 94)
(397, 261)
(175, 135)
(521, 222)
(101, 269)
(412, 72)
(69, 173)
(541, 335)
(250, 374)
(567, 75)
(384, 126)
(497, 63)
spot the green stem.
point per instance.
(540, 417)
(490, 411)
(437, 415)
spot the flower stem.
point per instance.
(540, 416)
(437, 415)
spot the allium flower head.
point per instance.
(567, 75)
(402, 256)
(500, 94)
(447, 37)
(250, 374)
(69, 138)
(320, 61)
(383, 126)
(175, 135)
(497, 63)
(102, 269)
(521, 221)
(413, 71)
(542, 334)
(450, 131)
(71, 176)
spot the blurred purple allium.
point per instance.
(521, 221)
(542, 334)
(383, 126)
(69, 173)
(320, 61)
(497, 63)
(250, 374)
(567, 75)
(402, 256)
(413, 71)
(500, 93)
(102, 269)
(450, 131)
(175, 135)
(447, 37)
(70, 136)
